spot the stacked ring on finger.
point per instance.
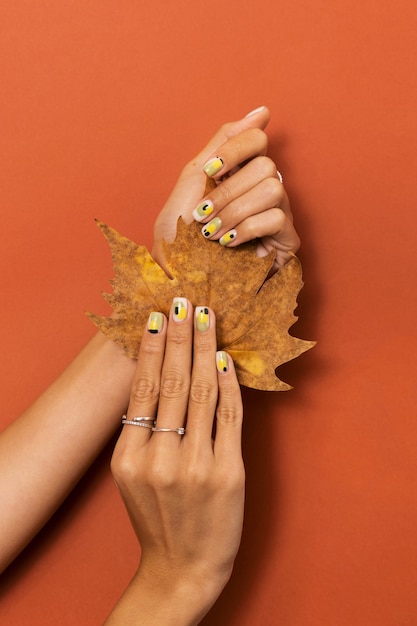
(179, 431)
(145, 422)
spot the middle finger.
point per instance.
(175, 376)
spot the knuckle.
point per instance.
(202, 391)
(250, 230)
(259, 137)
(296, 243)
(123, 468)
(174, 384)
(280, 220)
(224, 195)
(144, 389)
(273, 188)
(159, 476)
(226, 129)
(229, 414)
(266, 167)
(236, 478)
(197, 474)
(178, 336)
(204, 342)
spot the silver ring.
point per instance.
(132, 423)
(144, 419)
(179, 431)
(280, 178)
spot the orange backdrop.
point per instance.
(102, 103)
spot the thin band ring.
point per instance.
(133, 423)
(143, 419)
(179, 431)
(280, 178)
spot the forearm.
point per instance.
(46, 450)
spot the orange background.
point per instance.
(102, 103)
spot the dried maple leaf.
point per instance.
(253, 313)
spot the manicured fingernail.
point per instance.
(155, 322)
(202, 318)
(212, 227)
(228, 237)
(213, 166)
(221, 361)
(203, 210)
(179, 309)
(258, 110)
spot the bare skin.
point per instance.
(166, 481)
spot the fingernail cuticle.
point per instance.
(228, 237)
(202, 318)
(203, 210)
(221, 361)
(213, 166)
(212, 227)
(180, 307)
(155, 322)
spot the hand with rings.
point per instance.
(178, 466)
(249, 200)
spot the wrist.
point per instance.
(166, 598)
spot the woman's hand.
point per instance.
(184, 493)
(248, 202)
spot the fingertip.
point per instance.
(259, 117)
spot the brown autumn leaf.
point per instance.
(253, 313)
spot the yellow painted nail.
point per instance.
(202, 318)
(180, 307)
(228, 237)
(203, 210)
(155, 322)
(213, 166)
(212, 227)
(221, 361)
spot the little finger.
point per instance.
(229, 414)
(273, 228)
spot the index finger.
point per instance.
(144, 394)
